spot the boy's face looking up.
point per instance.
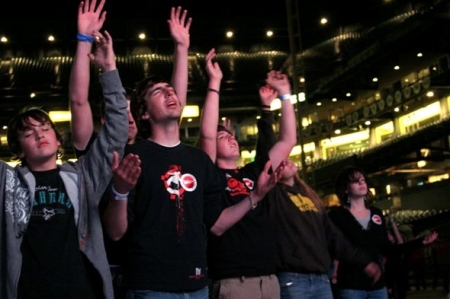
(162, 103)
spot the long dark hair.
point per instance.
(344, 178)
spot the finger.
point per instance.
(268, 166)
(188, 24)
(101, 5)
(177, 13)
(92, 5)
(108, 36)
(81, 8)
(115, 163)
(102, 17)
(183, 17)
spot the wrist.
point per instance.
(253, 204)
(85, 38)
(117, 195)
(284, 97)
(210, 89)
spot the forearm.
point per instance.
(234, 213)
(81, 123)
(209, 120)
(115, 219)
(180, 75)
(288, 123)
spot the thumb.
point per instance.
(115, 163)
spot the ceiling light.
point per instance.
(229, 34)
(51, 38)
(191, 111)
(141, 36)
(3, 39)
(269, 33)
(60, 116)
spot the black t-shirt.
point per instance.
(53, 265)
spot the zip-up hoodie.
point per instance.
(85, 182)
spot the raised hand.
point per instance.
(179, 26)
(279, 82)
(213, 68)
(103, 57)
(267, 94)
(90, 17)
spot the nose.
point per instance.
(38, 134)
(168, 91)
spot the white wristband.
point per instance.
(119, 196)
(285, 97)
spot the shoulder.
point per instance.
(337, 213)
(375, 210)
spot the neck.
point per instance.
(357, 203)
(168, 136)
(226, 163)
(42, 165)
(288, 182)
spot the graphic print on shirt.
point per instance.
(198, 274)
(236, 187)
(303, 203)
(49, 202)
(177, 184)
(17, 202)
(376, 219)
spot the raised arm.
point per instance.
(179, 30)
(209, 118)
(90, 19)
(266, 135)
(288, 132)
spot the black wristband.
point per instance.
(265, 106)
(213, 90)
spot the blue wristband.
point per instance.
(285, 97)
(85, 38)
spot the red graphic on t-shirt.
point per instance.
(177, 184)
(236, 187)
(376, 219)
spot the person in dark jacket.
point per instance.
(365, 226)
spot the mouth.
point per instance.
(42, 144)
(172, 103)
